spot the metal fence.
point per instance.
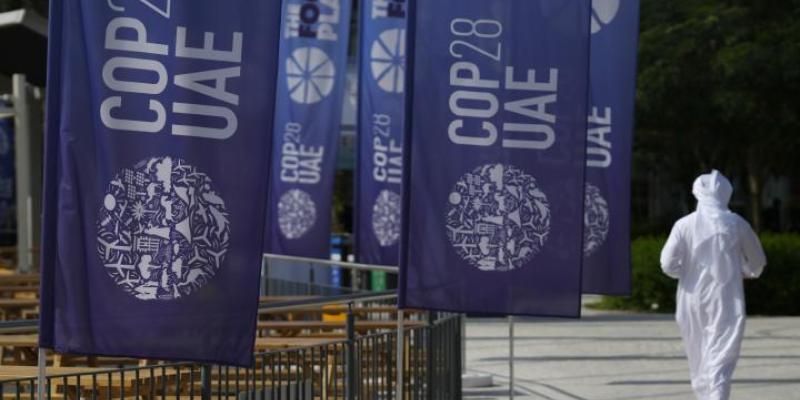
(360, 367)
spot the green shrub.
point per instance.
(777, 292)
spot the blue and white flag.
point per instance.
(493, 201)
(8, 201)
(154, 181)
(379, 171)
(308, 111)
(607, 236)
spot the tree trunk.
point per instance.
(755, 186)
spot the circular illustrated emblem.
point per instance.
(386, 218)
(603, 12)
(497, 217)
(388, 59)
(595, 220)
(310, 75)
(296, 213)
(162, 230)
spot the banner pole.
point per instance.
(463, 343)
(350, 377)
(400, 352)
(41, 373)
(511, 357)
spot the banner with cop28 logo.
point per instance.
(8, 201)
(311, 81)
(606, 244)
(380, 131)
(496, 143)
(154, 181)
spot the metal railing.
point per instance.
(351, 367)
(354, 368)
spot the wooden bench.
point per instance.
(15, 279)
(24, 350)
(337, 309)
(293, 328)
(17, 308)
(31, 291)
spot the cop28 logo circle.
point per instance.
(162, 230)
(596, 220)
(387, 60)
(386, 218)
(603, 12)
(310, 75)
(497, 217)
(296, 213)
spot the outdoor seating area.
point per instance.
(306, 347)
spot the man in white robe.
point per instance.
(711, 251)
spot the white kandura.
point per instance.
(711, 251)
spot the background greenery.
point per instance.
(776, 292)
(718, 86)
(39, 5)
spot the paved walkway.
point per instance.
(624, 356)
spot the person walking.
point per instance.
(710, 252)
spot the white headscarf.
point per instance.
(714, 220)
(712, 191)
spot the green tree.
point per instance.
(718, 86)
(40, 6)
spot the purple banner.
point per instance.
(308, 114)
(380, 131)
(607, 236)
(496, 142)
(154, 180)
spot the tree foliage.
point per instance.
(40, 6)
(718, 86)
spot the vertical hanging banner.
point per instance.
(497, 142)
(380, 131)
(308, 112)
(8, 213)
(154, 181)
(607, 236)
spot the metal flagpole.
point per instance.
(463, 344)
(511, 357)
(400, 353)
(41, 373)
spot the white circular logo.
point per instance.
(162, 231)
(386, 218)
(388, 59)
(497, 217)
(603, 12)
(595, 220)
(310, 75)
(296, 213)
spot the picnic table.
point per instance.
(337, 309)
(293, 328)
(19, 279)
(15, 308)
(276, 343)
(24, 347)
(10, 291)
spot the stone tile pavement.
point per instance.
(624, 356)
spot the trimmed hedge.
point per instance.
(776, 292)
